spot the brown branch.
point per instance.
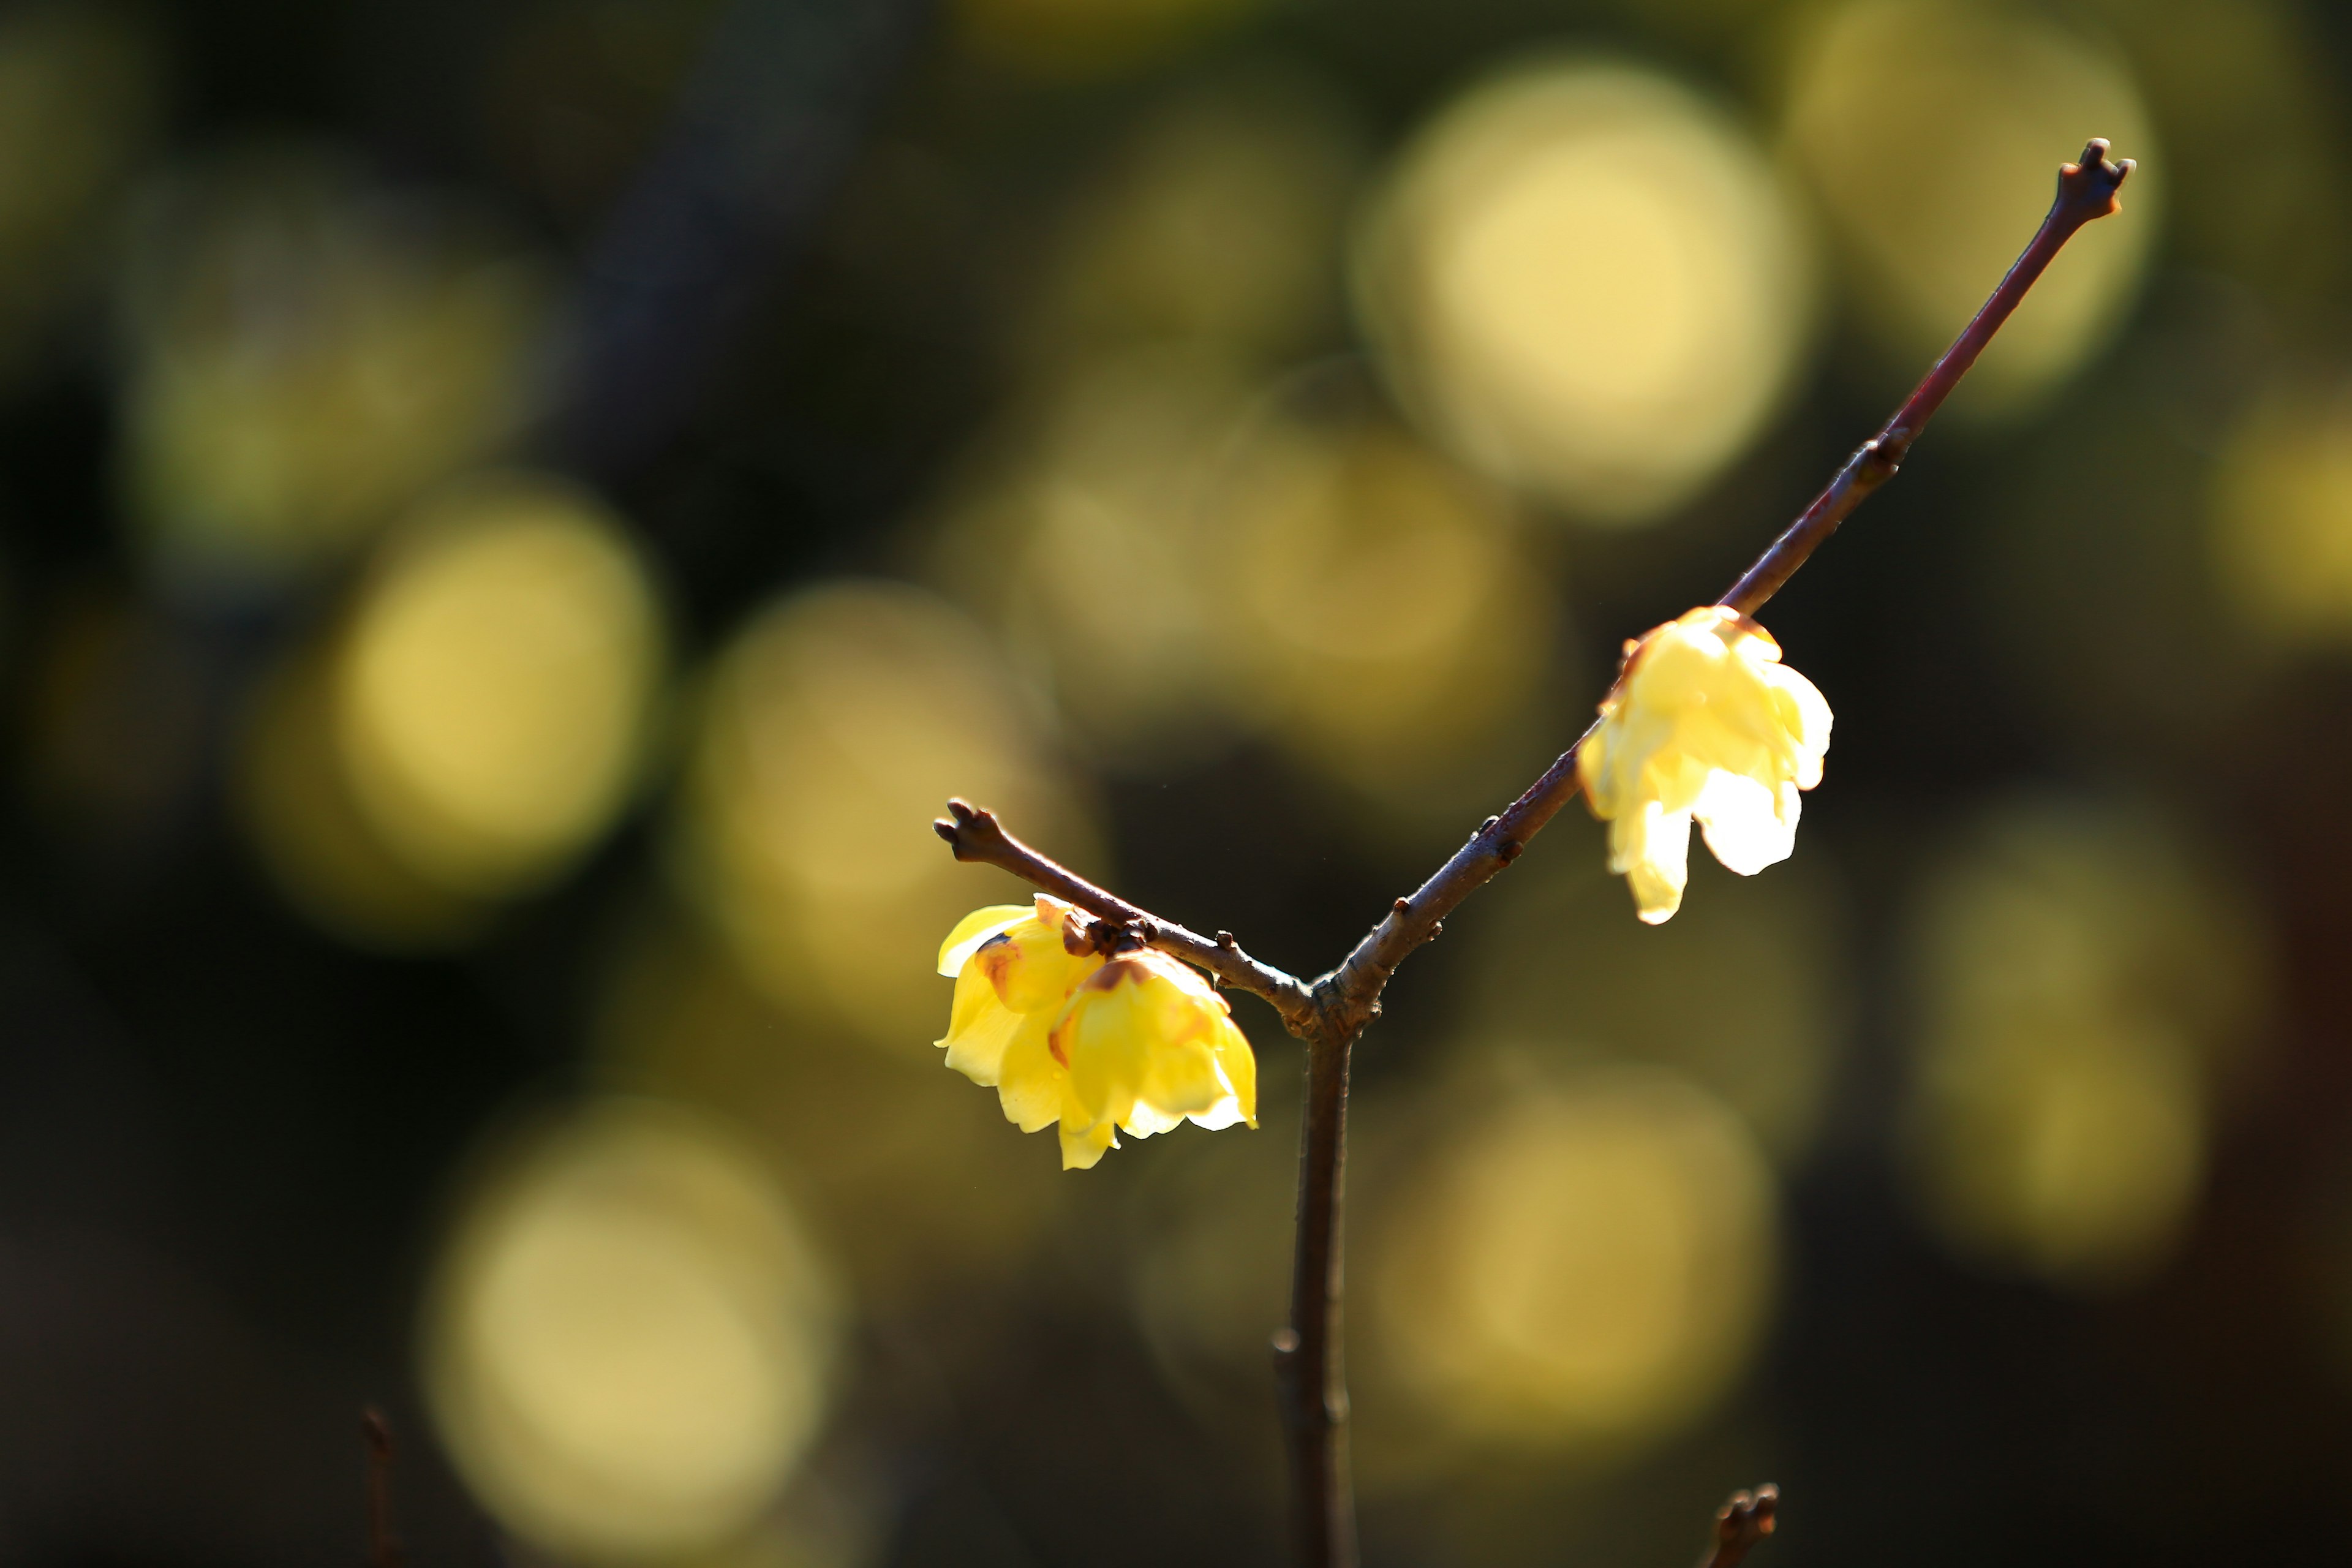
(1310, 1365)
(1740, 1523)
(2086, 190)
(1332, 1012)
(974, 834)
(383, 1546)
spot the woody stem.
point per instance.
(1330, 1014)
(1310, 1369)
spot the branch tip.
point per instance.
(1742, 1521)
(2087, 186)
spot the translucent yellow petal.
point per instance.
(1105, 1035)
(979, 1027)
(1744, 822)
(1032, 1087)
(1238, 1063)
(1651, 849)
(1082, 1148)
(976, 928)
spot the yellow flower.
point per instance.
(1136, 1042)
(1705, 722)
(1150, 1044)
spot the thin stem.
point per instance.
(1310, 1367)
(2086, 190)
(1330, 1013)
(974, 834)
(383, 1546)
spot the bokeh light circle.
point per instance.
(832, 730)
(495, 686)
(630, 1338)
(2088, 994)
(304, 356)
(1932, 131)
(1585, 278)
(2282, 517)
(1582, 1262)
(1377, 609)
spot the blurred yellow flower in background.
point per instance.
(1135, 1044)
(1705, 723)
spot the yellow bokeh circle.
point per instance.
(1585, 278)
(629, 1341)
(831, 732)
(2087, 991)
(1583, 1263)
(495, 684)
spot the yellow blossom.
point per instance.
(1148, 1044)
(1014, 969)
(1707, 723)
(1135, 1044)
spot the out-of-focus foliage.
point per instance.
(304, 355)
(81, 90)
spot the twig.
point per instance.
(383, 1546)
(974, 834)
(1331, 1013)
(2086, 190)
(1740, 1523)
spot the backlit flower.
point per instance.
(1136, 1042)
(1149, 1042)
(1704, 724)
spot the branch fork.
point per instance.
(1329, 1012)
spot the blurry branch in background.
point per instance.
(1740, 1523)
(768, 123)
(1330, 1013)
(383, 1546)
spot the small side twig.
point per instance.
(383, 1545)
(1740, 1523)
(974, 834)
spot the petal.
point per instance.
(1238, 1063)
(976, 928)
(1652, 848)
(1744, 822)
(1032, 1087)
(1030, 968)
(1083, 1148)
(978, 1028)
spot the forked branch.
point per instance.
(1331, 1012)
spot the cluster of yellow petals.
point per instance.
(1133, 1043)
(1706, 723)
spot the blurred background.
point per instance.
(514, 515)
